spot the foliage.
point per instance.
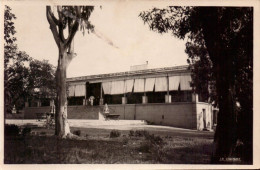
(26, 131)
(131, 133)
(154, 145)
(138, 133)
(22, 74)
(220, 49)
(42, 79)
(114, 134)
(77, 132)
(11, 130)
(15, 70)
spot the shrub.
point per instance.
(141, 133)
(125, 141)
(131, 133)
(114, 134)
(11, 130)
(150, 123)
(77, 132)
(43, 133)
(138, 133)
(145, 147)
(154, 139)
(26, 131)
(154, 145)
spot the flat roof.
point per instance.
(177, 69)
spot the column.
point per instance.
(84, 101)
(144, 97)
(85, 97)
(101, 100)
(124, 100)
(195, 97)
(26, 104)
(39, 104)
(168, 97)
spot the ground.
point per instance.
(137, 145)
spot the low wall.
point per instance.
(30, 112)
(83, 112)
(181, 114)
(176, 114)
(74, 112)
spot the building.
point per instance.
(160, 96)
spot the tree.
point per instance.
(15, 70)
(22, 74)
(227, 35)
(42, 78)
(70, 18)
(203, 81)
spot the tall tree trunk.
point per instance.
(225, 135)
(66, 54)
(62, 127)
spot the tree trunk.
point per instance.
(225, 135)
(66, 54)
(62, 127)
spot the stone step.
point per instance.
(83, 123)
(78, 122)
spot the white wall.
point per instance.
(199, 110)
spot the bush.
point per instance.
(145, 147)
(77, 132)
(43, 133)
(11, 130)
(26, 131)
(150, 123)
(138, 133)
(114, 134)
(131, 133)
(125, 141)
(154, 139)
(154, 145)
(141, 133)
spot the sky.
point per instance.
(133, 43)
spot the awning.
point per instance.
(107, 87)
(161, 84)
(174, 82)
(71, 91)
(80, 90)
(139, 85)
(129, 84)
(117, 87)
(149, 84)
(185, 82)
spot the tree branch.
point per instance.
(52, 25)
(52, 16)
(60, 24)
(74, 28)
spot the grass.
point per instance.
(42, 147)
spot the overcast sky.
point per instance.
(118, 23)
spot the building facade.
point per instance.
(160, 96)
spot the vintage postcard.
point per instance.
(130, 84)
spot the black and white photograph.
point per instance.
(152, 83)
